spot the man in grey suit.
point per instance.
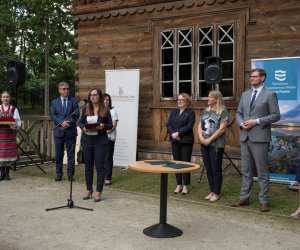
(257, 110)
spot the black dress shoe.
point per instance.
(71, 178)
(58, 178)
(2, 174)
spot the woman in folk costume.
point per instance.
(9, 122)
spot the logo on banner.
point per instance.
(280, 75)
(122, 95)
(121, 91)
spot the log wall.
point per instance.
(123, 35)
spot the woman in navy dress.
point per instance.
(180, 128)
(95, 121)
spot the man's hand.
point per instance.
(64, 125)
(249, 124)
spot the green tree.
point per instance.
(23, 33)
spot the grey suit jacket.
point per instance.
(265, 108)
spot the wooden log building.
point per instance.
(168, 41)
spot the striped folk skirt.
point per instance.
(8, 145)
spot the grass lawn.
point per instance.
(282, 200)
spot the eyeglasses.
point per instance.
(180, 100)
(93, 95)
(64, 88)
(254, 77)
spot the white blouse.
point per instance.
(16, 116)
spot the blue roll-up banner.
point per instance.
(283, 77)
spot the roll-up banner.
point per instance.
(123, 87)
(283, 77)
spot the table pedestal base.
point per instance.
(162, 231)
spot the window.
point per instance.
(182, 56)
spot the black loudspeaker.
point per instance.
(16, 73)
(213, 70)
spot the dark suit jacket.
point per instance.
(265, 108)
(183, 124)
(57, 115)
(101, 138)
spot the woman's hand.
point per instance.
(175, 136)
(101, 126)
(206, 142)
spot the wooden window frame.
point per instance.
(236, 17)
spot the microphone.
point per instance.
(87, 101)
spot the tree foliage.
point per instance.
(23, 38)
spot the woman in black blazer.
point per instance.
(95, 121)
(180, 128)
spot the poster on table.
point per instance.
(123, 87)
(283, 77)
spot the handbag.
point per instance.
(80, 158)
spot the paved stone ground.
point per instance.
(117, 222)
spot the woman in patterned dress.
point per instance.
(9, 122)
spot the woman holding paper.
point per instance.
(9, 122)
(95, 120)
(180, 129)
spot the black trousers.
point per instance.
(212, 160)
(109, 162)
(95, 156)
(60, 143)
(182, 152)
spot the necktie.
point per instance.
(65, 105)
(253, 98)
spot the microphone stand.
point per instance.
(70, 203)
(73, 113)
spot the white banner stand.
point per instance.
(123, 87)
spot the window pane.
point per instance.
(204, 89)
(205, 36)
(226, 33)
(167, 39)
(185, 87)
(167, 56)
(226, 88)
(185, 72)
(205, 42)
(167, 64)
(226, 51)
(185, 38)
(204, 52)
(227, 70)
(167, 90)
(185, 55)
(167, 73)
(201, 71)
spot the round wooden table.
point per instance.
(162, 229)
